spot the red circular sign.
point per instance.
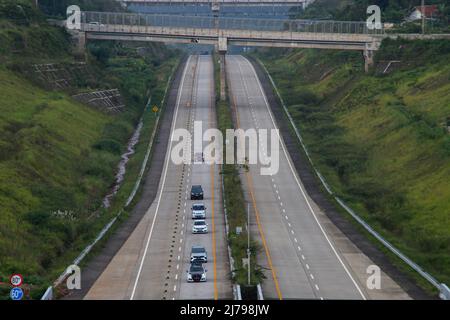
(16, 280)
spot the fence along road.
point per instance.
(152, 263)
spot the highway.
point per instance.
(152, 263)
(303, 254)
(301, 258)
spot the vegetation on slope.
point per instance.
(392, 11)
(381, 140)
(58, 158)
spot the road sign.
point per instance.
(16, 294)
(16, 280)
(155, 109)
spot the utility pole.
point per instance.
(423, 16)
(248, 242)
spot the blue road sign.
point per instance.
(16, 294)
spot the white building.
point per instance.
(430, 12)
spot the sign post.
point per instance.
(155, 110)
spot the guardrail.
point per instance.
(102, 19)
(260, 293)
(443, 288)
(48, 295)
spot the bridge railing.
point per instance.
(102, 19)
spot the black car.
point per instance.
(197, 192)
(196, 273)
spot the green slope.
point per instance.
(58, 158)
(45, 140)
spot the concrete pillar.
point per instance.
(223, 45)
(369, 52)
(80, 42)
(222, 48)
(223, 78)
(368, 59)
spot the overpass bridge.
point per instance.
(223, 31)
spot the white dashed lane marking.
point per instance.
(275, 187)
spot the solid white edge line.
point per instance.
(298, 183)
(169, 148)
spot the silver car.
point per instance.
(198, 253)
(199, 226)
(198, 211)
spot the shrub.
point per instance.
(38, 218)
(118, 131)
(108, 145)
(446, 146)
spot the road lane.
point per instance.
(207, 175)
(304, 262)
(152, 263)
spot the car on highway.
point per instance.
(199, 226)
(199, 254)
(196, 272)
(196, 192)
(198, 211)
(96, 23)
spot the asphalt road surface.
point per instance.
(300, 257)
(152, 263)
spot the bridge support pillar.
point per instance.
(222, 45)
(368, 59)
(80, 43)
(369, 52)
(222, 48)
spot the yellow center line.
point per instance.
(257, 215)
(212, 171)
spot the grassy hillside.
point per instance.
(392, 11)
(380, 140)
(46, 150)
(58, 158)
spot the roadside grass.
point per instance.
(380, 142)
